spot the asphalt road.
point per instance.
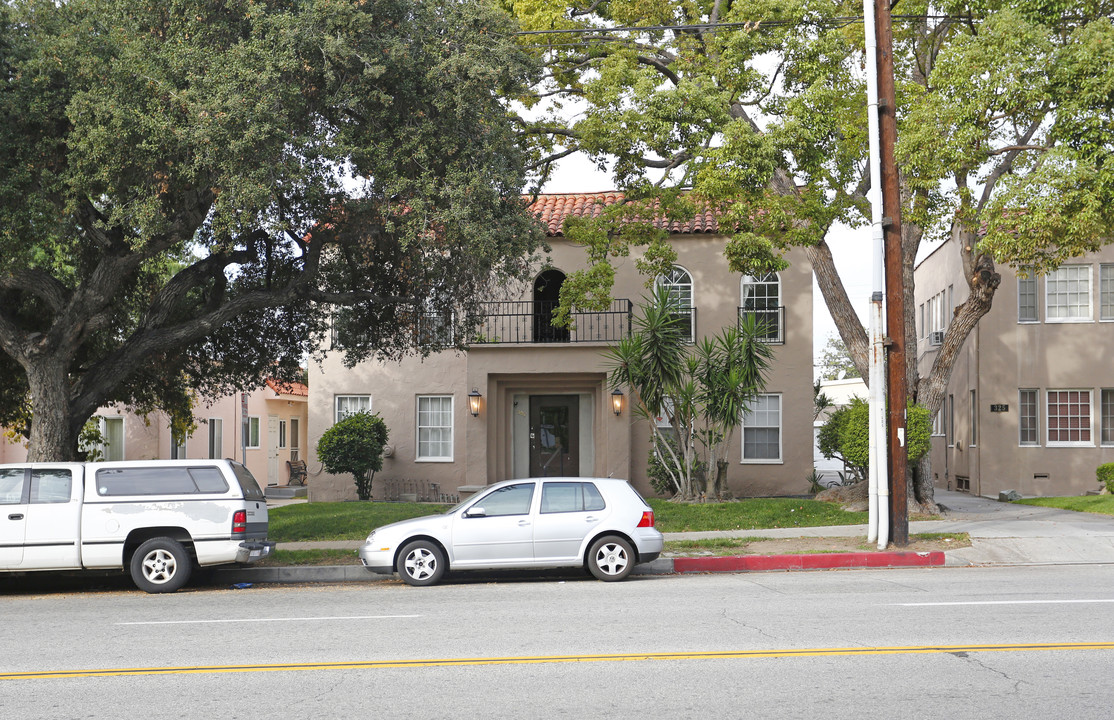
(1011, 642)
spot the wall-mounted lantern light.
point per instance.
(617, 401)
(474, 401)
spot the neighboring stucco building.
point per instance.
(277, 433)
(1030, 404)
(543, 404)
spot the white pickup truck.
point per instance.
(156, 518)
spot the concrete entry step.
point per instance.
(285, 492)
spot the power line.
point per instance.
(750, 25)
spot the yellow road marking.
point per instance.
(540, 659)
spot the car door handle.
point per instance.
(590, 519)
(15, 516)
(523, 523)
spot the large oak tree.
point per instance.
(1005, 139)
(189, 188)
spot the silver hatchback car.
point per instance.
(599, 523)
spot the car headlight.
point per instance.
(370, 536)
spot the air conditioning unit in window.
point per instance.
(936, 337)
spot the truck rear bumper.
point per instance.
(254, 550)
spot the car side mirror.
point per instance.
(475, 512)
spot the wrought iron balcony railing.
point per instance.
(770, 322)
(522, 322)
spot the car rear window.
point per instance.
(559, 497)
(161, 481)
(248, 485)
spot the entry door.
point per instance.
(272, 450)
(554, 436)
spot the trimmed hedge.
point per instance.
(1105, 475)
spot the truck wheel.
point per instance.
(161, 565)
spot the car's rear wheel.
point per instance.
(161, 565)
(421, 563)
(611, 558)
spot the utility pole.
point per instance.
(895, 286)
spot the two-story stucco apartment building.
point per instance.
(531, 399)
(1030, 405)
(275, 417)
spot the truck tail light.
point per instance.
(239, 521)
(647, 519)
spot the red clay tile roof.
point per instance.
(554, 208)
(288, 388)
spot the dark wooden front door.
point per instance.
(554, 436)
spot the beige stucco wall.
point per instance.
(1002, 356)
(150, 438)
(483, 448)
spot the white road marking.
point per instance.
(1003, 602)
(277, 619)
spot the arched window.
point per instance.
(678, 282)
(761, 300)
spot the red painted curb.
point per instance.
(826, 561)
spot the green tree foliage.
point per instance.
(702, 391)
(190, 190)
(758, 110)
(846, 435)
(354, 446)
(835, 361)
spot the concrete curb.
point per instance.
(661, 566)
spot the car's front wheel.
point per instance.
(161, 565)
(611, 558)
(421, 563)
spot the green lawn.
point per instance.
(753, 514)
(354, 520)
(1101, 504)
(339, 520)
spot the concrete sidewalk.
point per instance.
(1001, 534)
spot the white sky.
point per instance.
(851, 248)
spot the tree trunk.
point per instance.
(839, 305)
(54, 430)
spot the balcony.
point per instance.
(770, 322)
(522, 322)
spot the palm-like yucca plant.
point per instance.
(702, 390)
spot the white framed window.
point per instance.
(282, 434)
(760, 298)
(1069, 417)
(111, 447)
(974, 419)
(177, 449)
(949, 431)
(937, 312)
(216, 438)
(349, 405)
(938, 422)
(1027, 298)
(295, 434)
(253, 432)
(1028, 418)
(678, 282)
(1067, 294)
(435, 428)
(1106, 292)
(1106, 410)
(762, 430)
(920, 325)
